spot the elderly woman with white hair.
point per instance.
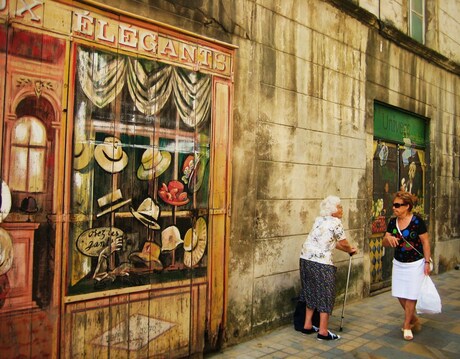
(317, 271)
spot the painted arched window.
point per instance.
(28, 155)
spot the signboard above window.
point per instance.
(392, 124)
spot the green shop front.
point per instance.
(400, 158)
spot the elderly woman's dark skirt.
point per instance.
(318, 285)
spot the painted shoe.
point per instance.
(329, 336)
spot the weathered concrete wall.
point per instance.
(449, 28)
(306, 79)
(299, 129)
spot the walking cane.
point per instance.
(346, 290)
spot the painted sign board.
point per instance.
(392, 124)
(139, 37)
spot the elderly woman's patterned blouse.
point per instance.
(322, 239)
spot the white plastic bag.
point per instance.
(429, 301)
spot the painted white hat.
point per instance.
(6, 251)
(147, 213)
(170, 238)
(5, 201)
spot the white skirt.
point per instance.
(406, 280)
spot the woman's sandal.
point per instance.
(407, 334)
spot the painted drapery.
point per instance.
(103, 76)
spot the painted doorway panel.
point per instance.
(149, 196)
(32, 68)
(396, 167)
(386, 169)
(399, 163)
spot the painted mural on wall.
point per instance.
(29, 146)
(107, 126)
(32, 66)
(396, 168)
(140, 179)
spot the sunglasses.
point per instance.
(397, 205)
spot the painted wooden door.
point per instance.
(148, 197)
(396, 167)
(399, 164)
(32, 67)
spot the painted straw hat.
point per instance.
(82, 155)
(6, 251)
(153, 163)
(148, 213)
(195, 242)
(5, 201)
(110, 155)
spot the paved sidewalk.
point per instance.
(371, 329)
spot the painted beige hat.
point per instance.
(170, 238)
(6, 251)
(148, 213)
(82, 155)
(153, 163)
(195, 242)
(110, 155)
(5, 201)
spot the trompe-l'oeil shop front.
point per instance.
(115, 183)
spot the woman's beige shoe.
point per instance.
(407, 334)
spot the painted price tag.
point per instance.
(92, 241)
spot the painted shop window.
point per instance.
(139, 191)
(28, 150)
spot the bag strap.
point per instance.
(405, 240)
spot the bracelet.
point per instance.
(427, 262)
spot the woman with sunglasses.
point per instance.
(407, 233)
